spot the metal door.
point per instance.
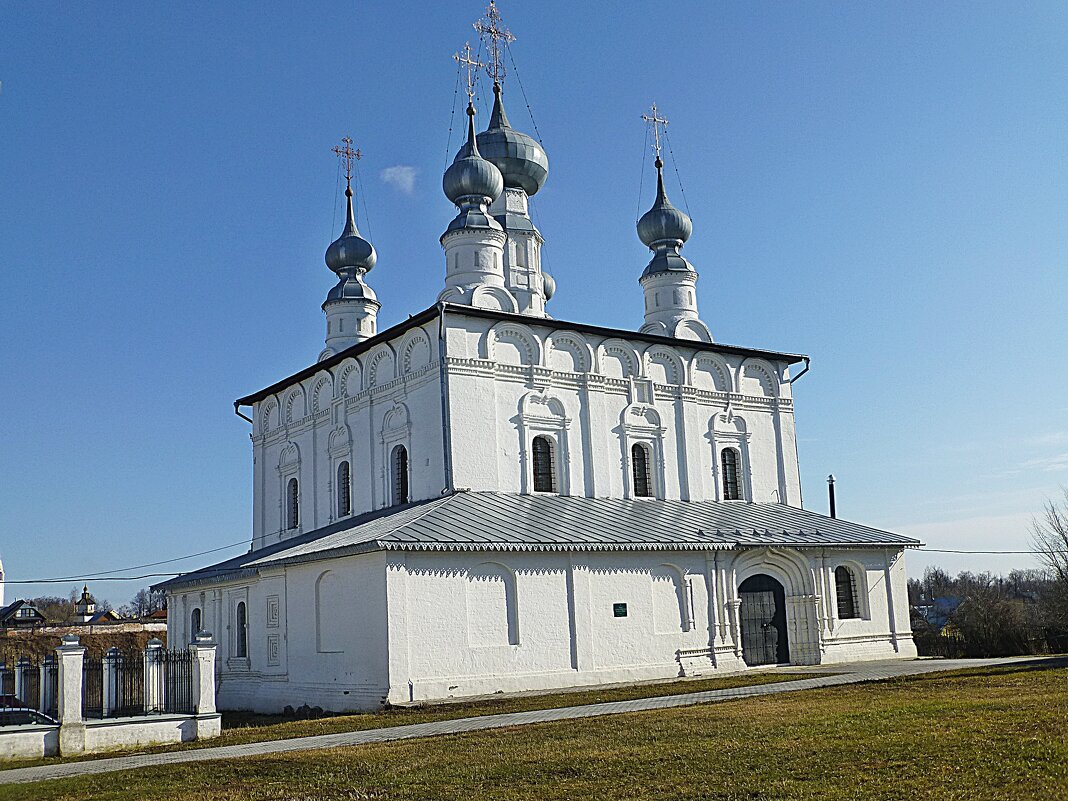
(763, 619)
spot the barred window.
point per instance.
(729, 459)
(399, 470)
(241, 644)
(544, 466)
(344, 490)
(639, 460)
(292, 504)
(845, 587)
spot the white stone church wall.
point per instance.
(595, 398)
(316, 635)
(357, 411)
(477, 623)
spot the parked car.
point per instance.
(22, 716)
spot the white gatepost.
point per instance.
(71, 658)
(112, 660)
(153, 694)
(22, 669)
(209, 721)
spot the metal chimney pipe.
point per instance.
(830, 493)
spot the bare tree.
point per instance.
(1049, 536)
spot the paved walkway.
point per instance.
(852, 673)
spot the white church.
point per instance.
(485, 499)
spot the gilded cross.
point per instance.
(347, 155)
(473, 65)
(499, 37)
(656, 121)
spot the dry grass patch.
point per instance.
(986, 734)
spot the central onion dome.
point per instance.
(519, 157)
(663, 223)
(663, 229)
(350, 253)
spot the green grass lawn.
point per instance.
(998, 733)
(240, 728)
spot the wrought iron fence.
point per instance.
(7, 678)
(29, 682)
(50, 685)
(175, 682)
(93, 688)
(126, 683)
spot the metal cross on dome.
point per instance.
(654, 119)
(499, 37)
(473, 65)
(347, 155)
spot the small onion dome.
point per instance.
(548, 284)
(519, 157)
(350, 251)
(663, 224)
(470, 178)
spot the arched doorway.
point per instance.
(762, 615)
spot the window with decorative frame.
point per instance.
(292, 504)
(639, 463)
(241, 638)
(730, 463)
(399, 475)
(845, 590)
(344, 489)
(544, 464)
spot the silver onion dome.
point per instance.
(663, 223)
(521, 160)
(663, 229)
(471, 178)
(350, 253)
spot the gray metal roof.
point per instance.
(490, 521)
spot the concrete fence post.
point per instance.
(209, 722)
(153, 688)
(71, 658)
(112, 665)
(22, 671)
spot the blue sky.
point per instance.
(881, 186)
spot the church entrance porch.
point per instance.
(762, 616)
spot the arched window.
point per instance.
(195, 623)
(399, 472)
(845, 587)
(544, 466)
(731, 491)
(639, 460)
(292, 504)
(241, 643)
(344, 490)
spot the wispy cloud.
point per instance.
(1058, 461)
(401, 177)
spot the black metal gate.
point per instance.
(763, 618)
(93, 688)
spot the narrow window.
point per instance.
(241, 646)
(544, 469)
(195, 623)
(400, 475)
(344, 490)
(846, 591)
(639, 459)
(729, 457)
(292, 504)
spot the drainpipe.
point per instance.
(808, 362)
(446, 423)
(237, 411)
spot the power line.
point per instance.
(106, 575)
